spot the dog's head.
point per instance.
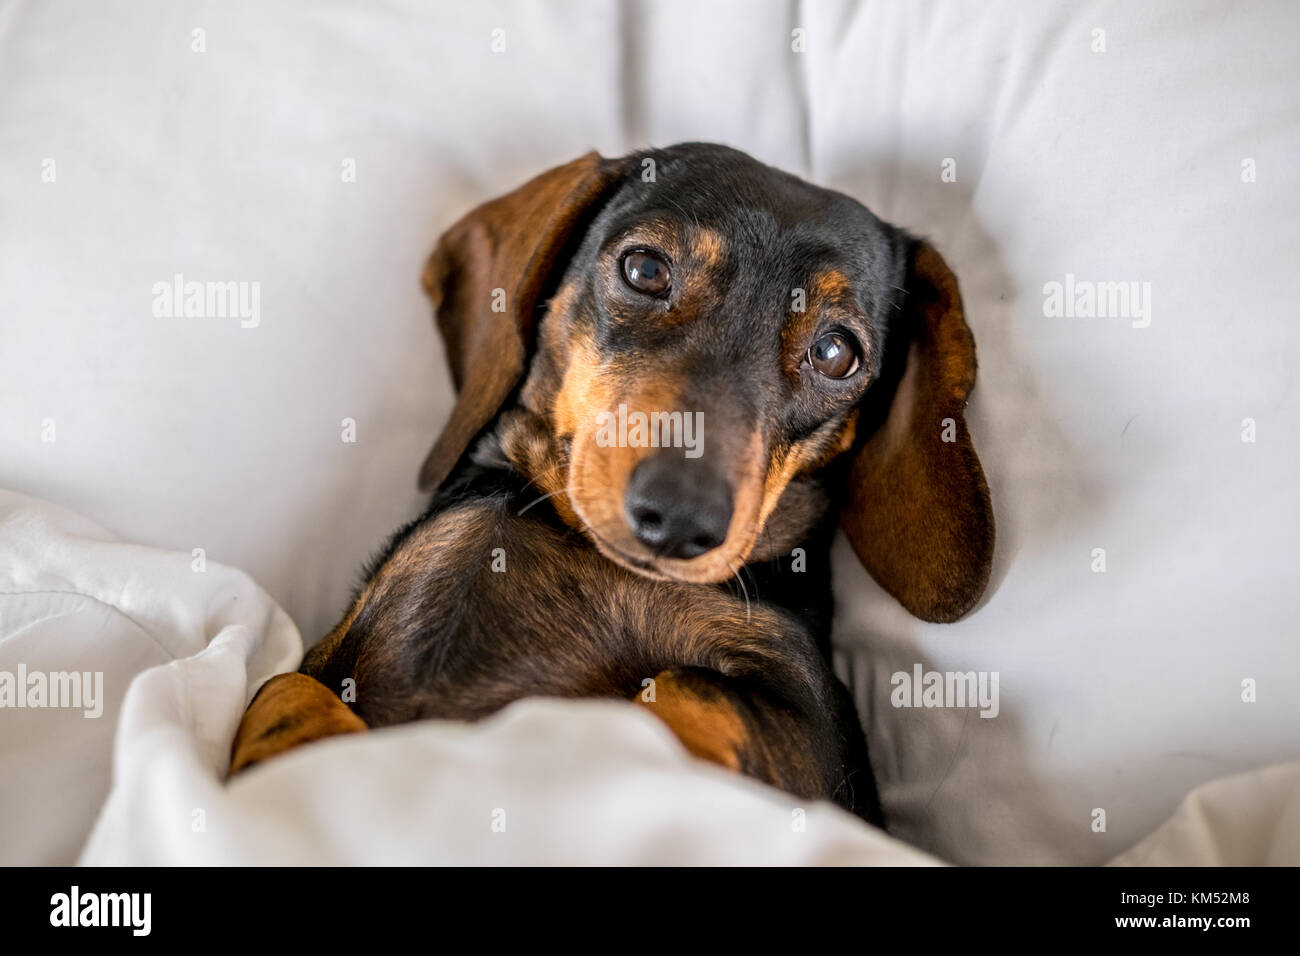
(698, 338)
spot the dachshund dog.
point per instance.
(572, 551)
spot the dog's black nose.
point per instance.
(677, 507)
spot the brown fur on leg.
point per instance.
(704, 719)
(289, 710)
(742, 728)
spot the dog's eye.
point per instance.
(647, 272)
(834, 355)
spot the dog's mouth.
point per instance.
(643, 566)
(709, 568)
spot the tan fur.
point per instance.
(289, 710)
(708, 247)
(709, 729)
(829, 286)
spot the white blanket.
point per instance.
(182, 651)
(546, 781)
(318, 147)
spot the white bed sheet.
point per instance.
(135, 776)
(1120, 691)
(139, 781)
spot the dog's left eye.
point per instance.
(834, 355)
(647, 272)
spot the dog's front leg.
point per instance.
(745, 725)
(288, 711)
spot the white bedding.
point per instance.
(1120, 690)
(545, 781)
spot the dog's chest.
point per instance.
(480, 606)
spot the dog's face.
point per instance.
(709, 343)
(699, 336)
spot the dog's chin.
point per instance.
(712, 567)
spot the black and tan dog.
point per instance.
(829, 361)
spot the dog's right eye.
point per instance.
(647, 272)
(834, 356)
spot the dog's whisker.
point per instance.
(752, 580)
(554, 469)
(551, 494)
(767, 530)
(743, 590)
(533, 481)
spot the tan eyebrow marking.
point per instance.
(708, 246)
(829, 285)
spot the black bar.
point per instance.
(977, 906)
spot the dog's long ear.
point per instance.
(919, 514)
(486, 278)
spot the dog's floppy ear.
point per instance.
(486, 278)
(919, 514)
